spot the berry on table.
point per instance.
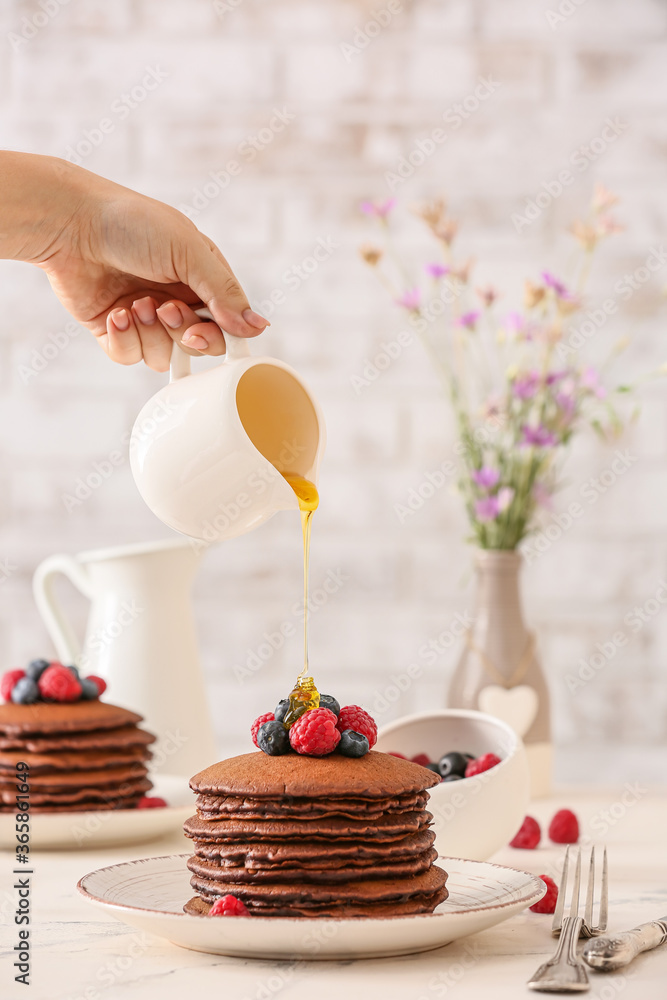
(57, 683)
(25, 691)
(229, 906)
(273, 738)
(315, 732)
(548, 902)
(356, 718)
(480, 764)
(9, 679)
(282, 708)
(151, 802)
(564, 827)
(528, 836)
(353, 744)
(421, 758)
(452, 763)
(328, 701)
(99, 681)
(35, 669)
(267, 717)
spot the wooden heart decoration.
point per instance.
(516, 706)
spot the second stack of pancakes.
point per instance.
(303, 836)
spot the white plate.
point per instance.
(150, 894)
(106, 827)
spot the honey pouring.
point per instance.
(304, 694)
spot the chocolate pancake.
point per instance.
(90, 805)
(230, 807)
(323, 873)
(107, 793)
(263, 853)
(121, 737)
(331, 827)
(259, 776)
(47, 763)
(55, 717)
(66, 780)
(312, 895)
(422, 903)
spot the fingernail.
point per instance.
(145, 310)
(120, 319)
(194, 341)
(170, 315)
(254, 319)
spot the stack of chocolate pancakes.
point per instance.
(84, 755)
(299, 836)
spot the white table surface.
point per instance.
(81, 954)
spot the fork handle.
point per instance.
(608, 953)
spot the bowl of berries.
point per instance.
(484, 789)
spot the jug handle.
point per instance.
(237, 348)
(59, 628)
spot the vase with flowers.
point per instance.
(519, 392)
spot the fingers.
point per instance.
(187, 328)
(210, 276)
(156, 344)
(123, 344)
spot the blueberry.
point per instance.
(74, 670)
(453, 777)
(89, 689)
(352, 744)
(452, 763)
(25, 691)
(35, 669)
(273, 738)
(434, 767)
(282, 708)
(328, 701)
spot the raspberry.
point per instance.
(99, 683)
(421, 758)
(353, 717)
(564, 827)
(151, 802)
(315, 732)
(57, 683)
(548, 902)
(9, 679)
(228, 906)
(529, 834)
(479, 764)
(267, 717)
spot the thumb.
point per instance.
(211, 278)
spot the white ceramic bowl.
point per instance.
(477, 816)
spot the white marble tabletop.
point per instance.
(81, 954)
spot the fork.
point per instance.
(565, 972)
(588, 929)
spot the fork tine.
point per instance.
(588, 911)
(557, 921)
(574, 905)
(604, 894)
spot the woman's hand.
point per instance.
(127, 267)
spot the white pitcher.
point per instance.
(140, 638)
(207, 451)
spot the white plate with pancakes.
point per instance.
(149, 894)
(106, 827)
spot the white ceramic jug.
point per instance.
(207, 451)
(140, 638)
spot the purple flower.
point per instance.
(486, 477)
(410, 299)
(553, 377)
(504, 496)
(469, 319)
(542, 496)
(537, 437)
(526, 386)
(437, 270)
(590, 379)
(487, 509)
(559, 288)
(380, 209)
(565, 402)
(514, 322)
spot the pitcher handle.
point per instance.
(59, 628)
(237, 348)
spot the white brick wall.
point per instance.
(353, 120)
